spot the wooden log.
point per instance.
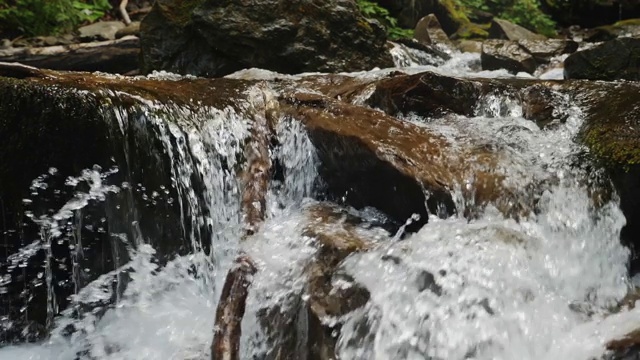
(20, 71)
(227, 330)
(113, 56)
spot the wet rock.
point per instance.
(611, 130)
(509, 55)
(426, 281)
(539, 105)
(210, 38)
(48, 109)
(612, 60)
(337, 238)
(102, 30)
(626, 348)
(428, 31)
(503, 29)
(302, 329)
(131, 29)
(405, 160)
(544, 50)
(427, 94)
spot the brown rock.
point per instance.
(428, 31)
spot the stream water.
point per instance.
(543, 287)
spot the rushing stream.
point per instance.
(543, 287)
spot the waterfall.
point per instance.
(538, 286)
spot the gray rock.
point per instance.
(428, 31)
(503, 54)
(612, 60)
(503, 29)
(102, 30)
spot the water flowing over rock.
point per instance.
(213, 38)
(612, 60)
(366, 215)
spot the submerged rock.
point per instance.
(612, 60)
(213, 38)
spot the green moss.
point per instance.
(472, 31)
(612, 127)
(628, 22)
(457, 11)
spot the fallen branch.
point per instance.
(114, 56)
(227, 331)
(123, 12)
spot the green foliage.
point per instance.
(374, 11)
(46, 17)
(525, 13)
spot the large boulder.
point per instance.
(214, 38)
(612, 133)
(612, 60)
(503, 29)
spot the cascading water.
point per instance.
(542, 287)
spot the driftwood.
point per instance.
(113, 56)
(226, 336)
